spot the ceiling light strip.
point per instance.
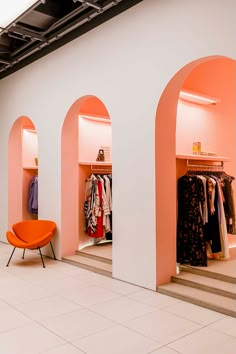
(198, 98)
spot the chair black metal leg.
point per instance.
(23, 254)
(10, 257)
(41, 256)
(52, 250)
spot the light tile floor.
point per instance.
(63, 309)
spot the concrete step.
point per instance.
(92, 256)
(94, 265)
(199, 297)
(212, 285)
(208, 273)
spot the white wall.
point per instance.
(130, 59)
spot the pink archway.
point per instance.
(88, 105)
(165, 158)
(17, 185)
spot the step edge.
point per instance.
(205, 304)
(87, 255)
(89, 259)
(207, 288)
(88, 267)
(200, 292)
(208, 274)
(184, 273)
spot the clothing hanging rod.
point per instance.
(207, 166)
(97, 169)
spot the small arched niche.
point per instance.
(176, 130)
(22, 168)
(86, 129)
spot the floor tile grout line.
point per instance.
(217, 330)
(182, 316)
(164, 346)
(194, 331)
(98, 314)
(187, 319)
(115, 324)
(104, 316)
(54, 333)
(120, 323)
(44, 326)
(158, 308)
(186, 335)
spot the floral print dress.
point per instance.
(191, 243)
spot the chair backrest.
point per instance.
(29, 230)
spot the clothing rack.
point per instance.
(205, 167)
(101, 170)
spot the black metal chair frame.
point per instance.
(35, 248)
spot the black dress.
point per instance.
(191, 243)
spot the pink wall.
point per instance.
(17, 194)
(165, 156)
(29, 147)
(92, 136)
(70, 178)
(214, 125)
(94, 107)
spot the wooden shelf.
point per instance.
(95, 163)
(203, 157)
(30, 167)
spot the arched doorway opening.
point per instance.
(22, 168)
(169, 142)
(86, 131)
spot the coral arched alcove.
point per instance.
(17, 184)
(165, 159)
(88, 105)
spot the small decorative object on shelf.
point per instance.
(196, 148)
(36, 161)
(101, 156)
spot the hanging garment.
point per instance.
(191, 243)
(109, 234)
(97, 206)
(107, 222)
(222, 222)
(216, 224)
(212, 227)
(229, 207)
(90, 208)
(33, 196)
(99, 232)
(205, 206)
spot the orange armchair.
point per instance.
(31, 234)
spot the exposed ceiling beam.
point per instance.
(3, 61)
(65, 33)
(26, 33)
(5, 30)
(90, 3)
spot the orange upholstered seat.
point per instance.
(31, 234)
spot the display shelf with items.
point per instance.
(186, 161)
(95, 163)
(202, 157)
